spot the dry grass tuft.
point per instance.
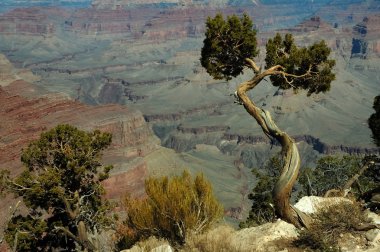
(330, 224)
(217, 239)
(149, 244)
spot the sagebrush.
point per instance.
(173, 208)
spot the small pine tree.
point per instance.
(62, 192)
(173, 208)
(262, 209)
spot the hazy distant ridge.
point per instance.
(10, 4)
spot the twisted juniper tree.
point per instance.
(230, 47)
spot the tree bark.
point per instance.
(290, 169)
(81, 238)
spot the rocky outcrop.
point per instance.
(262, 238)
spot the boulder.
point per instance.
(267, 237)
(311, 204)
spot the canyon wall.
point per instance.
(23, 119)
(26, 21)
(365, 41)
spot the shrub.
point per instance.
(61, 190)
(333, 172)
(217, 239)
(329, 224)
(173, 208)
(262, 210)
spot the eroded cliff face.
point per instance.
(23, 119)
(26, 21)
(365, 41)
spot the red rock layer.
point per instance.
(23, 119)
(26, 21)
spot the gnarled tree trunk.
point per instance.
(290, 169)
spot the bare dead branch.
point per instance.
(354, 178)
(346, 188)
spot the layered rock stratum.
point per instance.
(24, 118)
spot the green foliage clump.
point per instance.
(262, 210)
(329, 224)
(230, 42)
(333, 172)
(374, 121)
(28, 233)
(174, 207)
(61, 189)
(298, 61)
(227, 44)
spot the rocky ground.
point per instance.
(272, 237)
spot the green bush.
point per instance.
(61, 190)
(173, 208)
(262, 209)
(333, 172)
